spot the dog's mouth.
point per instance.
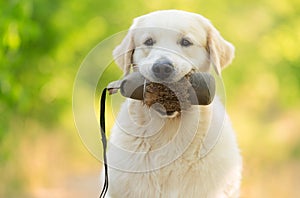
(164, 113)
(168, 99)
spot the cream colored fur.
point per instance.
(194, 154)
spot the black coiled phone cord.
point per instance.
(104, 142)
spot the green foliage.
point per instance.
(43, 42)
(27, 36)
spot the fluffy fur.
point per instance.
(193, 154)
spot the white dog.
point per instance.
(192, 153)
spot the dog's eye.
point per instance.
(185, 43)
(149, 42)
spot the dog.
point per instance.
(191, 153)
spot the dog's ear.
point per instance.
(221, 52)
(123, 53)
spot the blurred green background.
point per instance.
(43, 42)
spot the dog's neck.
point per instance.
(151, 135)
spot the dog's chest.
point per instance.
(169, 164)
(183, 175)
(182, 178)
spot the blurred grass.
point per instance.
(42, 44)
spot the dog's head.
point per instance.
(167, 45)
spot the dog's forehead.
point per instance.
(179, 21)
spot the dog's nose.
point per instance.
(162, 69)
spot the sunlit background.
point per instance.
(43, 42)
